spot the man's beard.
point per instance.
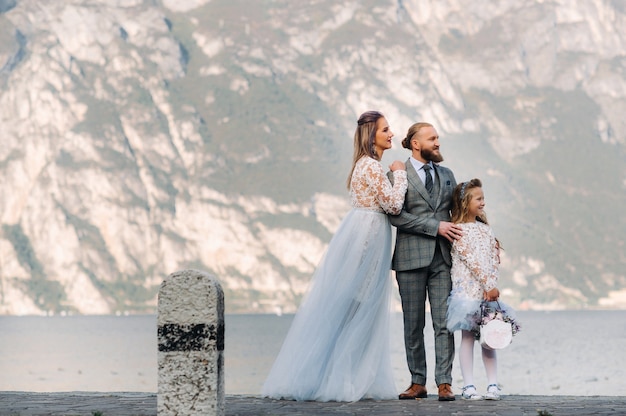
(432, 156)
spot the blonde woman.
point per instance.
(337, 348)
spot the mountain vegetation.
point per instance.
(139, 138)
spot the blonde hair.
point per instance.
(364, 137)
(413, 130)
(461, 197)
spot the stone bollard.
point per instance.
(191, 345)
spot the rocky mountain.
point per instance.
(140, 137)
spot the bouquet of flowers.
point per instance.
(487, 312)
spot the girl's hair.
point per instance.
(461, 196)
(364, 137)
(413, 130)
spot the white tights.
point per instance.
(466, 359)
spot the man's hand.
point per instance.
(450, 231)
(492, 295)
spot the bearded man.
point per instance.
(422, 259)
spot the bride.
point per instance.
(337, 348)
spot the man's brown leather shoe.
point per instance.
(415, 391)
(445, 393)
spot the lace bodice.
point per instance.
(371, 189)
(474, 261)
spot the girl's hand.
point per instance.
(492, 295)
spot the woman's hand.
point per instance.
(397, 165)
(492, 295)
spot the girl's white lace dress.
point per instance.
(474, 270)
(337, 348)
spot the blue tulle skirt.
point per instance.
(464, 312)
(337, 348)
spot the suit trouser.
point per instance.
(414, 284)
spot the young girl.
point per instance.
(475, 261)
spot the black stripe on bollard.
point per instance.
(196, 337)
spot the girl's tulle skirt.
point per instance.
(465, 313)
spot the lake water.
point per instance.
(557, 353)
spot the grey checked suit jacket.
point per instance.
(418, 222)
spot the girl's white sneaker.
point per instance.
(493, 392)
(470, 393)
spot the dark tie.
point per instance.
(429, 179)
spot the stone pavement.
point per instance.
(143, 404)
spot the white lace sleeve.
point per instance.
(390, 198)
(478, 260)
